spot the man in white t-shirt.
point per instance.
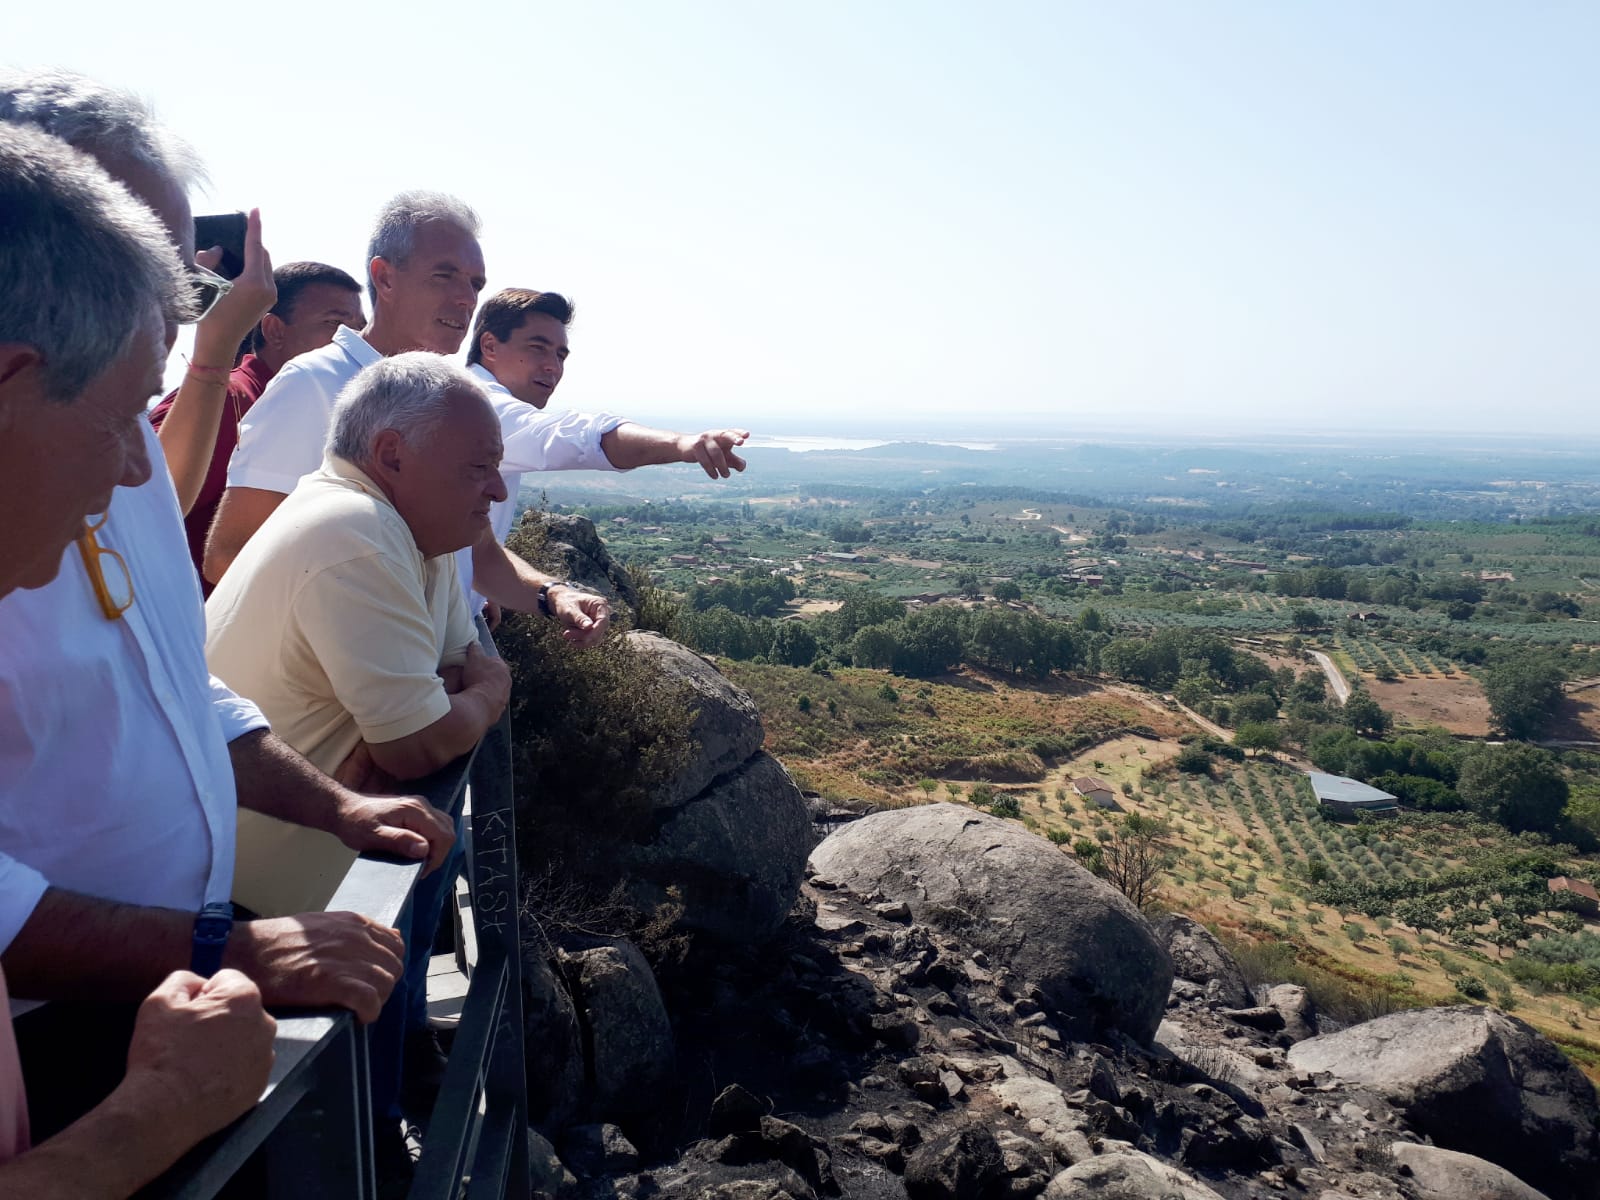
(424, 275)
(519, 350)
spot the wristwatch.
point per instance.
(211, 930)
(544, 594)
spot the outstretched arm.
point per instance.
(632, 445)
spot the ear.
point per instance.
(272, 330)
(381, 272)
(388, 451)
(488, 348)
(21, 381)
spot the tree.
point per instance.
(874, 646)
(1523, 695)
(1254, 707)
(1258, 735)
(967, 584)
(792, 644)
(1136, 856)
(1364, 714)
(1306, 619)
(1007, 589)
(1518, 786)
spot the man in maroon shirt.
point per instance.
(313, 300)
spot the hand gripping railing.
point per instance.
(313, 1124)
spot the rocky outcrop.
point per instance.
(575, 552)
(1057, 935)
(1479, 1081)
(1198, 957)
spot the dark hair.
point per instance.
(504, 312)
(292, 279)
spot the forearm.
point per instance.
(241, 512)
(189, 433)
(632, 445)
(110, 1152)
(472, 711)
(501, 576)
(77, 947)
(272, 778)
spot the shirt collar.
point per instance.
(489, 381)
(353, 344)
(255, 370)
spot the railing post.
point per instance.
(496, 905)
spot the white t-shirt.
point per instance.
(534, 440)
(281, 437)
(115, 779)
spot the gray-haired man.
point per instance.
(425, 271)
(106, 703)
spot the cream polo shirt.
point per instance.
(334, 623)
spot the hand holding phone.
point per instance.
(227, 231)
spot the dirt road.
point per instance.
(1341, 689)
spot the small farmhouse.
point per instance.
(1584, 898)
(1348, 796)
(1097, 791)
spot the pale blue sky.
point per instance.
(1026, 216)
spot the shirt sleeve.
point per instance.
(560, 441)
(237, 715)
(21, 889)
(368, 625)
(281, 437)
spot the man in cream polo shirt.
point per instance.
(343, 618)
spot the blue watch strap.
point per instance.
(211, 930)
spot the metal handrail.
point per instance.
(313, 1122)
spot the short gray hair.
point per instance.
(81, 261)
(394, 234)
(104, 121)
(408, 393)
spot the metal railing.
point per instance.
(312, 1128)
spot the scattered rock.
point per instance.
(1126, 1175)
(547, 1175)
(735, 1110)
(1063, 935)
(1263, 1017)
(631, 1049)
(595, 1150)
(1199, 957)
(1446, 1175)
(1294, 1005)
(955, 1166)
(1476, 1080)
(552, 1040)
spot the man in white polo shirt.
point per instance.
(424, 275)
(519, 350)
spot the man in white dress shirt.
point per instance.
(519, 349)
(122, 762)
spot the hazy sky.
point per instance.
(1016, 216)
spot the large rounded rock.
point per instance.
(1093, 959)
(1198, 957)
(1478, 1081)
(735, 854)
(1446, 1175)
(727, 726)
(1126, 1175)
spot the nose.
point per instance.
(135, 461)
(497, 488)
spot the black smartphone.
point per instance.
(225, 230)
